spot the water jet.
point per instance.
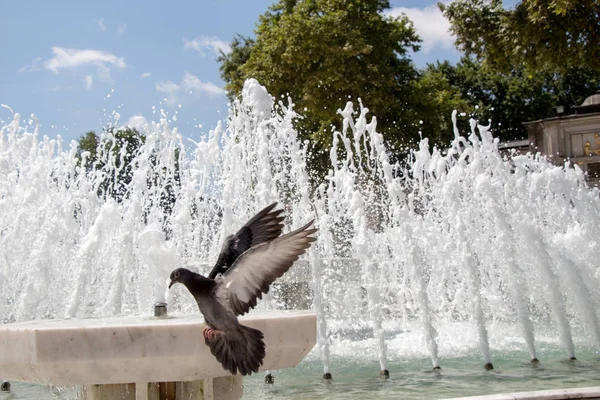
(450, 254)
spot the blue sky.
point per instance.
(74, 63)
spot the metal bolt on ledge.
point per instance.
(160, 310)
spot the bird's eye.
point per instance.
(176, 275)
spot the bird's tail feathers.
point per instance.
(242, 350)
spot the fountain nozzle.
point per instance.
(160, 310)
(269, 379)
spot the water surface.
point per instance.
(409, 379)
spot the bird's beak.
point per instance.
(171, 284)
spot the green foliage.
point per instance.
(323, 53)
(88, 143)
(552, 35)
(518, 65)
(434, 96)
(117, 148)
(506, 98)
(112, 157)
(231, 62)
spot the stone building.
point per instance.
(573, 136)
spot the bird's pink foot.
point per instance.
(210, 334)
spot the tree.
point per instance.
(552, 35)
(114, 154)
(113, 159)
(88, 143)
(324, 52)
(506, 98)
(231, 62)
(435, 94)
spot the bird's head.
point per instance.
(179, 275)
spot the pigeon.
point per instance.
(263, 227)
(237, 347)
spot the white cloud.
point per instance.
(122, 29)
(34, 66)
(72, 58)
(145, 75)
(191, 82)
(101, 25)
(212, 43)
(89, 81)
(138, 122)
(170, 89)
(430, 24)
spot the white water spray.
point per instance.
(462, 242)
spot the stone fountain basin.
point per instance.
(122, 350)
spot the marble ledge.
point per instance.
(137, 349)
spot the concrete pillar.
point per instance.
(142, 391)
(222, 388)
(190, 390)
(110, 391)
(225, 388)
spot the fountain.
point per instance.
(453, 251)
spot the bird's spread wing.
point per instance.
(253, 272)
(263, 227)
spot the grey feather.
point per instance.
(265, 226)
(255, 270)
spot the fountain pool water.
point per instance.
(462, 258)
(409, 379)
